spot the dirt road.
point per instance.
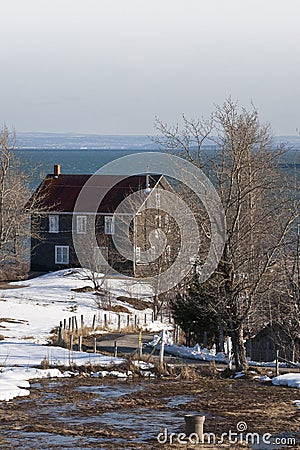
(126, 343)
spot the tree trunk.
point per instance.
(239, 351)
(155, 307)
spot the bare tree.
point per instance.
(16, 206)
(243, 167)
(286, 302)
(98, 255)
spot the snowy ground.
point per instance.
(36, 306)
(288, 379)
(31, 309)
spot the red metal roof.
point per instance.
(60, 193)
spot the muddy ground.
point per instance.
(85, 412)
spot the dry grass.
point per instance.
(45, 363)
(208, 371)
(83, 289)
(10, 320)
(186, 372)
(117, 309)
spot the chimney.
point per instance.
(56, 170)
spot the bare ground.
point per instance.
(86, 412)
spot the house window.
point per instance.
(158, 221)
(168, 253)
(157, 200)
(153, 252)
(81, 224)
(137, 254)
(167, 220)
(109, 225)
(61, 254)
(53, 224)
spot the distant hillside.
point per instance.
(83, 141)
(106, 142)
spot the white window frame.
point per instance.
(167, 221)
(157, 199)
(109, 224)
(158, 221)
(81, 222)
(59, 254)
(168, 253)
(53, 223)
(153, 251)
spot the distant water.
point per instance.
(88, 161)
(71, 161)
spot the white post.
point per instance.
(140, 345)
(162, 348)
(80, 343)
(277, 364)
(229, 351)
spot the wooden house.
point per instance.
(52, 243)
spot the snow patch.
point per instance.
(288, 379)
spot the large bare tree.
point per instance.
(243, 165)
(16, 206)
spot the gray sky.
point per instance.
(110, 66)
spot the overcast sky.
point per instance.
(111, 66)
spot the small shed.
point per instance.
(263, 346)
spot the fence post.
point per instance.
(80, 343)
(95, 345)
(162, 348)
(65, 324)
(70, 323)
(81, 322)
(140, 346)
(277, 364)
(60, 334)
(94, 322)
(75, 322)
(71, 342)
(116, 349)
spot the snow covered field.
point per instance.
(31, 309)
(36, 306)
